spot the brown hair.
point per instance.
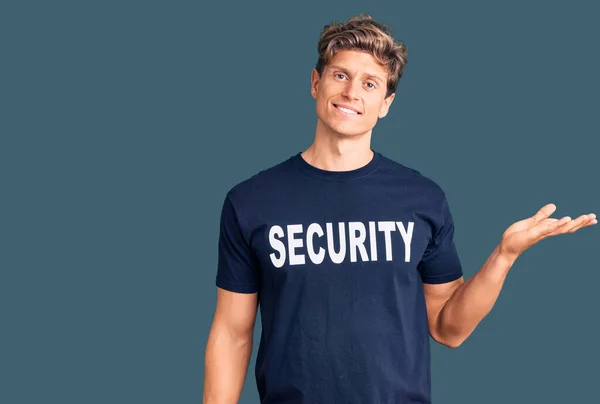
(363, 33)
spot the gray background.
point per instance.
(123, 124)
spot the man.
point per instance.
(349, 255)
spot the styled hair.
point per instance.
(363, 33)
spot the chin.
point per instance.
(348, 130)
(341, 128)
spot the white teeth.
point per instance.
(346, 110)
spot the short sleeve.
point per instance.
(440, 262)
(237, 269)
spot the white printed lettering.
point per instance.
(357, 241)
(277, 245)
(293, 243)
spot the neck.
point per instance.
(335, 152)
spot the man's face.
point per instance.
(353, 80)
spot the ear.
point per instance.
(314, 80)
(386, 105)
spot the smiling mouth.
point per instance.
(346, 110)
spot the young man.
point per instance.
(349, 254)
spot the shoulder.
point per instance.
(260, 184)
(410, 176)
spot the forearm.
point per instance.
(226, 363)
(474, 299)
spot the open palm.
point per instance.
(525, 233)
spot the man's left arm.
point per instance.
(454, 309)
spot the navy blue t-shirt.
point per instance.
(338, 259)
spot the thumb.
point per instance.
(544, 213)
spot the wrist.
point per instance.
(505, 255)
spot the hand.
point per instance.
(525, 233)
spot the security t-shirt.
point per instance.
(339, 259)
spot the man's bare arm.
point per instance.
(229, 347)
(454, 309)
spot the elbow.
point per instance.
(447, 340)
(229, 337)
(453, 343)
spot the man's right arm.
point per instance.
(229, 347)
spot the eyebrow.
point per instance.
(347, 72)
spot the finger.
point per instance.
(544, 212)
(574, 225)
(550, 221)
(588, 220)
(550, 229)
(546, 224)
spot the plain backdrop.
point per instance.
(123, 124)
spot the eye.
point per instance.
(339, 75)
(370, 85)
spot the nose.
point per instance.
(351, 90)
